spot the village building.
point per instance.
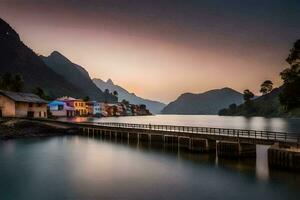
(16, 104)
(78, 104)
(61, 109)
(94, 108)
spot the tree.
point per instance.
(248, 95)
(143, 107)
(11, 83)
(266, 87)
(41, 93)
(294, 53)
(232, 106)
(106, 91)
(86, 99)
(115, 93)
(17, 83)
(125, 102)
(6, 81)
(290, 96)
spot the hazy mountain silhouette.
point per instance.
(153, 106)
(17, 58)
(207, 103)
(76, 75)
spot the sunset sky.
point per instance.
(159, 49)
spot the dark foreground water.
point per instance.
(82, 168)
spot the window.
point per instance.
(30, 114)
(40, 114)
(45, 114)
(60, 107)
(30, 105)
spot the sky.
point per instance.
(159, 49)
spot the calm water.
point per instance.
(82, 168)
(214, 121)
(75, 167)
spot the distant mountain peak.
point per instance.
(153, 106)
(209, 102)
(58, 56)
(109, 81)
(56, 53)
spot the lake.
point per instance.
(213, 121)
(77, 167)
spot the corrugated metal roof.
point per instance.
(23, 97)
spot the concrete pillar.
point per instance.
(184, 142)
(144, 137)
(157, 138)
(171, 140)
(133, 136)
(284, 157)
(203, 145)
(235, 149)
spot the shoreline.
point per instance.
(25, 128)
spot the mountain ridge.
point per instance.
(17, 58)
(154, 106)
(209, 102)
(76, 75)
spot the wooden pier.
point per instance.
(236, 143)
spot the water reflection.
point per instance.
(256, 166)
(76, 167)
(251, 123)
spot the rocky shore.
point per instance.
(23, 128)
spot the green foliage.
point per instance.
(106, 91)
(143, 107)
(41, 93)
(266, 87)
(10, 82)
(86, 99)
(290, 96)
(248, 95)
(294, 53)
(125, 102)
(115, 93)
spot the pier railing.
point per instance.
(238, 133)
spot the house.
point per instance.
(103, 111)
(16, 104)
(94, 108)
(78, 104)
(61, 109)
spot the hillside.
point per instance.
(267, 106)
(207, 103)
(76, 75)
(17, 58)
(154, 106)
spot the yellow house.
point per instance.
(78, 104)
(16, 104)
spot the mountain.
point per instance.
(153, 106)
(76, 75)
(267, 105)
(17, 58)
(207, 103)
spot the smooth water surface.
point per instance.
(213, 121)
(82, 168)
